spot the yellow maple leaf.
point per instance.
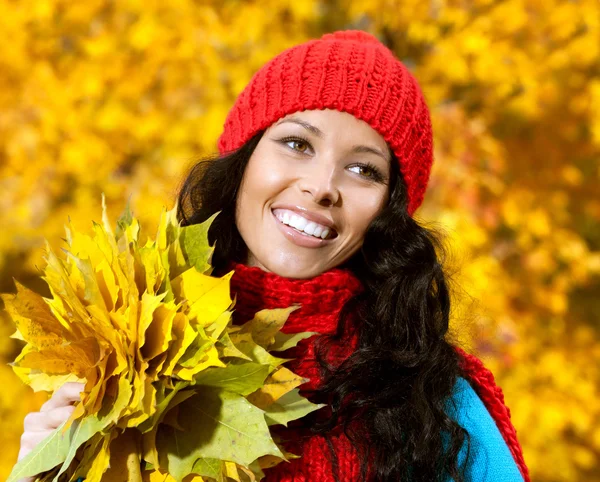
(139, 324)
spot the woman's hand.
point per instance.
(38, 425)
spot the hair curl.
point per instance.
(399, 380)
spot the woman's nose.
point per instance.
(321, 183)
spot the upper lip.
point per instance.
(305, 213)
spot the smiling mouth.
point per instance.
(331, 235)
(316, 231)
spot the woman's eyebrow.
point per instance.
(309, 127)
(319, 133)
(371, 150)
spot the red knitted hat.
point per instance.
(349, 71)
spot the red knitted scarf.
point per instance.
(321, 299)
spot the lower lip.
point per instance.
(300, 239)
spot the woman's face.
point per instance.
(311, 188)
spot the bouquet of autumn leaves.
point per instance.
(173, 390)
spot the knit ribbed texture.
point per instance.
(349, 71)
(321, 299)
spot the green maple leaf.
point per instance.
(194, 244)
(242, 378)
(209, 468)
(226, 427)
(284, 341)
(288, 407)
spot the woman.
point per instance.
(324, 158)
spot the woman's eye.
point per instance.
(300, 145)
(367, 171)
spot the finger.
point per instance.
(29, 440)
(48, 420)
(65, 395)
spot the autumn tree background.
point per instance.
(123, 97)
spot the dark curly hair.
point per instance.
(397, 384)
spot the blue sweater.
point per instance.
(490, 459)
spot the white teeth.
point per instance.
(310, 228)
(298, 222)
(301, 224)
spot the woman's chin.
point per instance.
(292, 268)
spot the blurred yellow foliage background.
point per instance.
(122, 97)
